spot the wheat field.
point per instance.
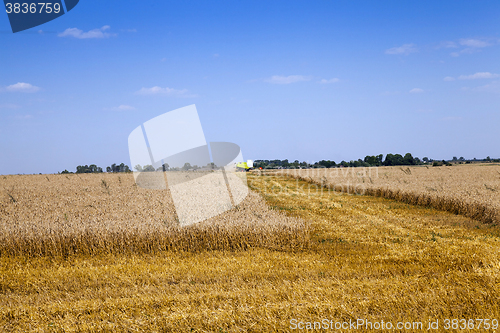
(470, 190)
(364, 257)
(60, 215)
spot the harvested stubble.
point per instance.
(469, 190)
(61, 215)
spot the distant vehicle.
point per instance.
(244, 166)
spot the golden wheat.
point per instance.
(369, 258)
(469, 190)
(60, 215)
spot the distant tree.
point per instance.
(408, 159)
(94, 168)
(344, 164)
(461, 159)
(186, 166)
(373, 160)
(88, 169)
(138, 167)
(380, 159)
(326, 164)
(148, 168)
(488, 159)
(118, 168)
(454, 159)
(395, 159)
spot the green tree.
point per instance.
(408, 159)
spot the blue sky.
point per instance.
(306, 80)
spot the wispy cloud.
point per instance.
(277, 79)
(493, 87)
(479, 75)
(416, 91)
(405, 49)
(80, 34)
(334, 80)
(22, 87)
(447, 45)
(164, 91)
(471, 45)
(476, 43)
(121, 108)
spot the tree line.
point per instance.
(368, 161)
(122, 167)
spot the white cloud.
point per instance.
(121, 108)
(477, 43)
(22, 87)
(479, 75)
(95, 33)
(325, 81)
(447, 45)
(416, 91)
(449, 78)
(493, 87)
(404, 49)
(164, 91)
(277, 79)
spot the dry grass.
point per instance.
(368, 257)
(61, 215)
(469, 190)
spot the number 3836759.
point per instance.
(33, 8)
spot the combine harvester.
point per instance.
(244, 166)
